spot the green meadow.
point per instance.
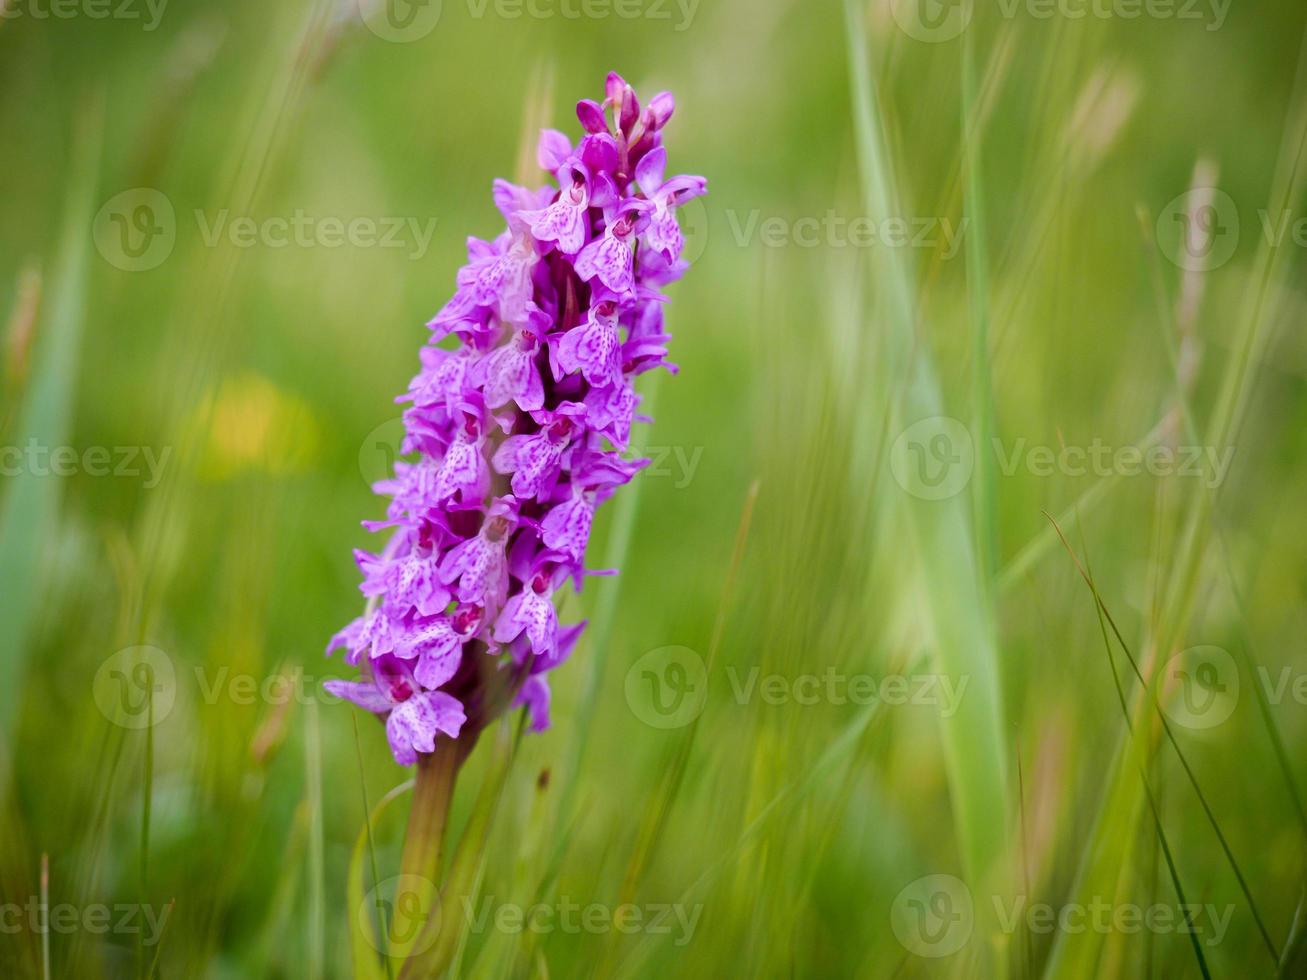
(959, 626)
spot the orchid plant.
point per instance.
(518, 427)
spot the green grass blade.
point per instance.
(29, 510)
(961, 618)
(365, 941)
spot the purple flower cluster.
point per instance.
(520, 431)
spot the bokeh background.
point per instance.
(955, 266)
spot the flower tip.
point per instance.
(660, 110)
(591, 116)
(614, 86)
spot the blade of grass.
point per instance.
(961, 618)
(29, 510)
(1237, 383)
(978, 291)
(1100, 613)
(367, 825)
(147, 796)
(316, 911)
(659, 808)
(45, 904)
(158, 943)
(842, 745)
(1149, 692)
(1191, 433)
(365, 943)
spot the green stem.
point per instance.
(432, 794)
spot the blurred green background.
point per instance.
(1102, 245)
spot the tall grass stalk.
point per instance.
(960, 621)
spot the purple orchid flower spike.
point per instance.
(517, 425)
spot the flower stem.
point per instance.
(432, 795)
